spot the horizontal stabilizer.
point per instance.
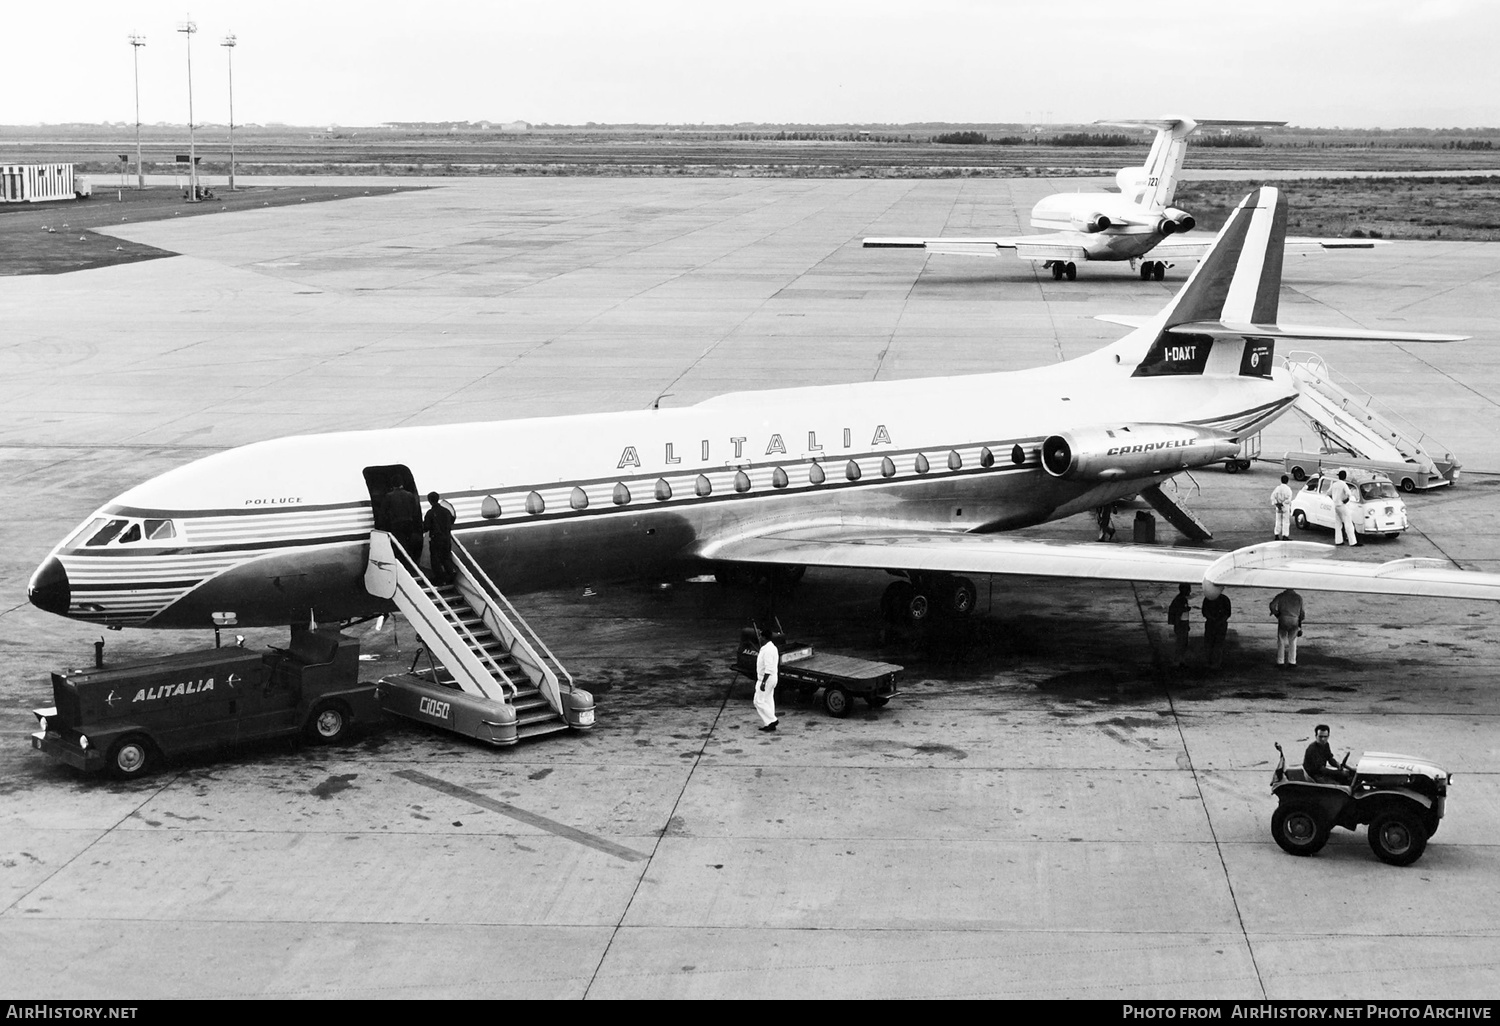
(1161, 123)
(1220, 329)
(949, 246)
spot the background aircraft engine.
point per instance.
(1175, 220)
(1132, 450)
(1095, 222)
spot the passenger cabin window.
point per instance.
(986, 458)
(621, 494)
(815, 474)
(779, 478)
(663, 490)
(741, 481)
(489, 508)
(921, 465)
(887, 467)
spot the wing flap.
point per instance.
(1311, 567)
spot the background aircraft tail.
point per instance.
(1154, 185)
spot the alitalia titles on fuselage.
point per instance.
(775, 445)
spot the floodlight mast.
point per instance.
(136, 42)
(187, 28)
(229, 44)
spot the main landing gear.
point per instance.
(1153, 270)
(1062, 267)
(922, 597)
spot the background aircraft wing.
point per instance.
(1043, 246)
(1186, 247)
(1305, 565)
(953, 246)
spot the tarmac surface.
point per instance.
(1044, 812)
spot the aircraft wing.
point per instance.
(1185, 247)
(1043, 246)
(1305, 565)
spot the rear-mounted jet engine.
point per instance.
(1132, 450)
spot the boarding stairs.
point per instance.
(1346, 421)
(478, 641)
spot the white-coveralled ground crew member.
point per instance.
(1287, 608)
(1343, 509)
(767, 665)
(1281, 502)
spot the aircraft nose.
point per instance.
(49, 589)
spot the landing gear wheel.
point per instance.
(1408, 485)
(837, 701)
(1159, 271)
(1398, 838)
(1299, 830)
(1231, 466)
(1145, 270)
(130, 757)
(961, 596)
(1298, 474)
(1071, 270)
(1057, 272)
(1300, 519)
(328, 724)
(903, 603)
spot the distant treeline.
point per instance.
(1232, 140)
(815, 137)
(1066, 139)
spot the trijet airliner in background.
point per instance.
(1131, 224)
(921, 477)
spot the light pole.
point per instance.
(228, 45)
(136, 42)
(187, 28)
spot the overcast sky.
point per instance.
(1354, 63)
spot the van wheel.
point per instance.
(130, 757)
(1398, 838)
(1299, 830)
(1298, 474)
(1299, 518)
(328, 724)
(1408, 485)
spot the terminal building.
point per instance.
(36, 183)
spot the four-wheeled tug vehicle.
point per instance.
(1399, 797)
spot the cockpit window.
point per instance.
(132, 534)
(105, 534)
(160, 530)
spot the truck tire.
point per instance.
(328, 724)
(837, 701)
(1398, 837)
(131, 757)
(1298, 474)
(1300, 519)
(1299, 829)
(1408, 485)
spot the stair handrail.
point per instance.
(490, 588)
(1319, 367)
(414, 575)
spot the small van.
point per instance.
(1378, 508)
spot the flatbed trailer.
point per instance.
(840, 677)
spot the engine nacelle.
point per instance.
(1132, 450)
(1174, 220)
(1095, 222)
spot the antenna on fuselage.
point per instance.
(656, 403)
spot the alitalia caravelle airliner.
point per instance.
(920, 477)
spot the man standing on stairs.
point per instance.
(767, 667)
(403, 516)
(439, 526)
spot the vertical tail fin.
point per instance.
(1239, 279)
